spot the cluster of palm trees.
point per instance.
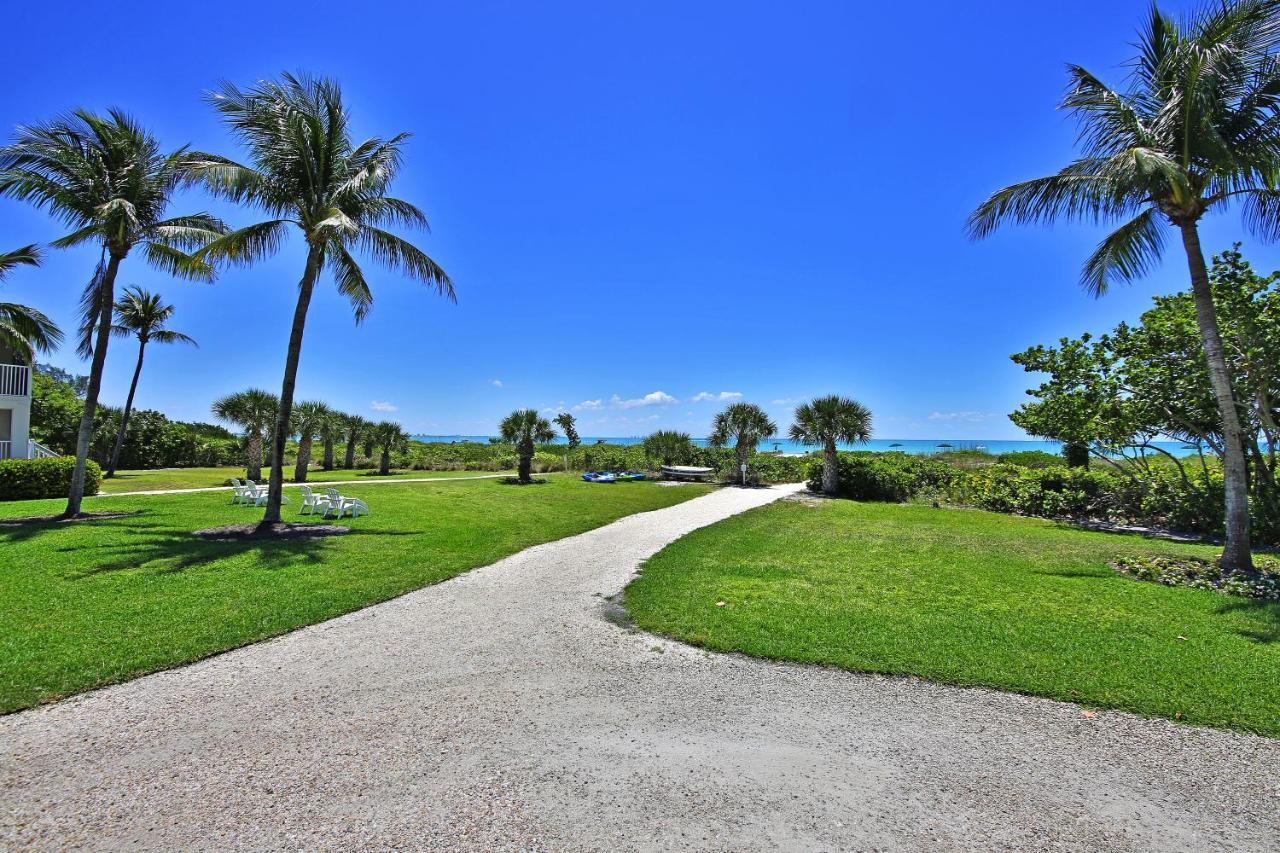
(110, 181)
(257, 413)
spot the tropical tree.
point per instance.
(25, 330)
(744, 424)
(525, 429)
(309, 419)
(354, 425)
(389, 437)
(669, 447)
(141, 315)
(1197, 128)
(108, 179)
(254, 411)
(826, 421)
(569, 426)
(307, 172)
(332, 428)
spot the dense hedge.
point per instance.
(886, 476)
(28, 479)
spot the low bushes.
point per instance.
(886, 476)
(28, 479)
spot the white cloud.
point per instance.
(589, 406)
(786, 401)
(496, 383)
(383, 406)
(722, 397)
(966, 417)
(653, 398)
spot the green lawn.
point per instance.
(199, 478)
(94, 602)
(968, 597)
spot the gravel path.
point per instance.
(505, 709)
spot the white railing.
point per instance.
(15, 380)
(36, 450)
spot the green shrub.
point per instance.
(1031, 459)
(894, 477)
(28, 479)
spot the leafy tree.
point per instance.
(142, 315)
(825, 421)
(1194, 131)
(745, 424)
(25, 330)
(56, 408)
(254, 411)
(525, 429)
(389, 437)
(107, 178)
(307, 172)
(569, 426)
(670, 447)
(309, 420)
(78, 383)
(353, 425)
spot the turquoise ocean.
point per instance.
(916, 446)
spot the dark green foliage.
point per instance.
(27, 479)
(886, 476)
(670, 447)
(1031, 459)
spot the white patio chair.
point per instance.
(237, 491)
(340, 505)
(311, 502)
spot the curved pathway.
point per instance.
(506, 709)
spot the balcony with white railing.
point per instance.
(15, 380)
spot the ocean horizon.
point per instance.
(914, 446)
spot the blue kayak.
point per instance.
(599, 477)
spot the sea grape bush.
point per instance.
(29, 479)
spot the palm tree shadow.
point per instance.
(18, 530)
(172, 553)
(1267, 613)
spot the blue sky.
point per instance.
(646, 208)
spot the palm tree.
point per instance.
(307, 172)
(332, 428)
(525, 429)
(142, 315)
(389, 437)
(255, 411)
(309, 418)
(355, 426)
(25, 330)
(1195, 129)
(825, 421)
(746, 424)
(106, 178)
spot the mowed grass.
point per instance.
(968, 597)
(202, 478)
(94, 602)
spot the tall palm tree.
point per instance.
(142, 315)
(745, 424)
(526, 429)
(309, 418)
(1197, 128)
(307, 173)
(825, 421)
(354, 425)
(389, 437)
(254, 411)
(25, 330)
(106, 178)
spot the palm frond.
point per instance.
(178, 263)
(25, 256)
(351, 282)
(1129, 252)
(245, 246)
(26, 330)
(1083, 191)
(401, 255)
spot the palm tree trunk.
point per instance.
(275, 489)
(830, 470)
(1236, 556)
(327, 463)
(525, 474)
(128, 409)
(253, 454)
(741, 453)
(304, 459)
(384, 463)
(106, 302)
(349, 460)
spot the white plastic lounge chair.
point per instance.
(237, 491)
(258, 497)
(311, 502)
(340, 505)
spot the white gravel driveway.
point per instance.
(504, 710)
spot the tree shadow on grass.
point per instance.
(179, 552)
(1266, 613)
(18, 530)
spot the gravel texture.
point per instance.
(508, 710)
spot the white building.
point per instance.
(15, 409)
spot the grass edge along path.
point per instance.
(969, 598)
(91, 603)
